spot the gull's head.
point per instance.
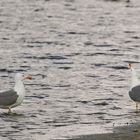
(21, 77)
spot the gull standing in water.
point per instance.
(134, 92)
(14, 97)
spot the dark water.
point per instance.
(77, 52)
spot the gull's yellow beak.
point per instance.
(29, 77)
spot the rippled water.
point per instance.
(77, 52)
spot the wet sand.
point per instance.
(120, 133)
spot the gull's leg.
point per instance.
(136, 107)
(9, 110)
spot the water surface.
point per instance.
(77, 52)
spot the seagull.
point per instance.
(134, 92)
(14, 97)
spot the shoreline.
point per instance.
(130, 132)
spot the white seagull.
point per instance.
(15, 96)
(134, 92)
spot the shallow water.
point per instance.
(77, 52)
